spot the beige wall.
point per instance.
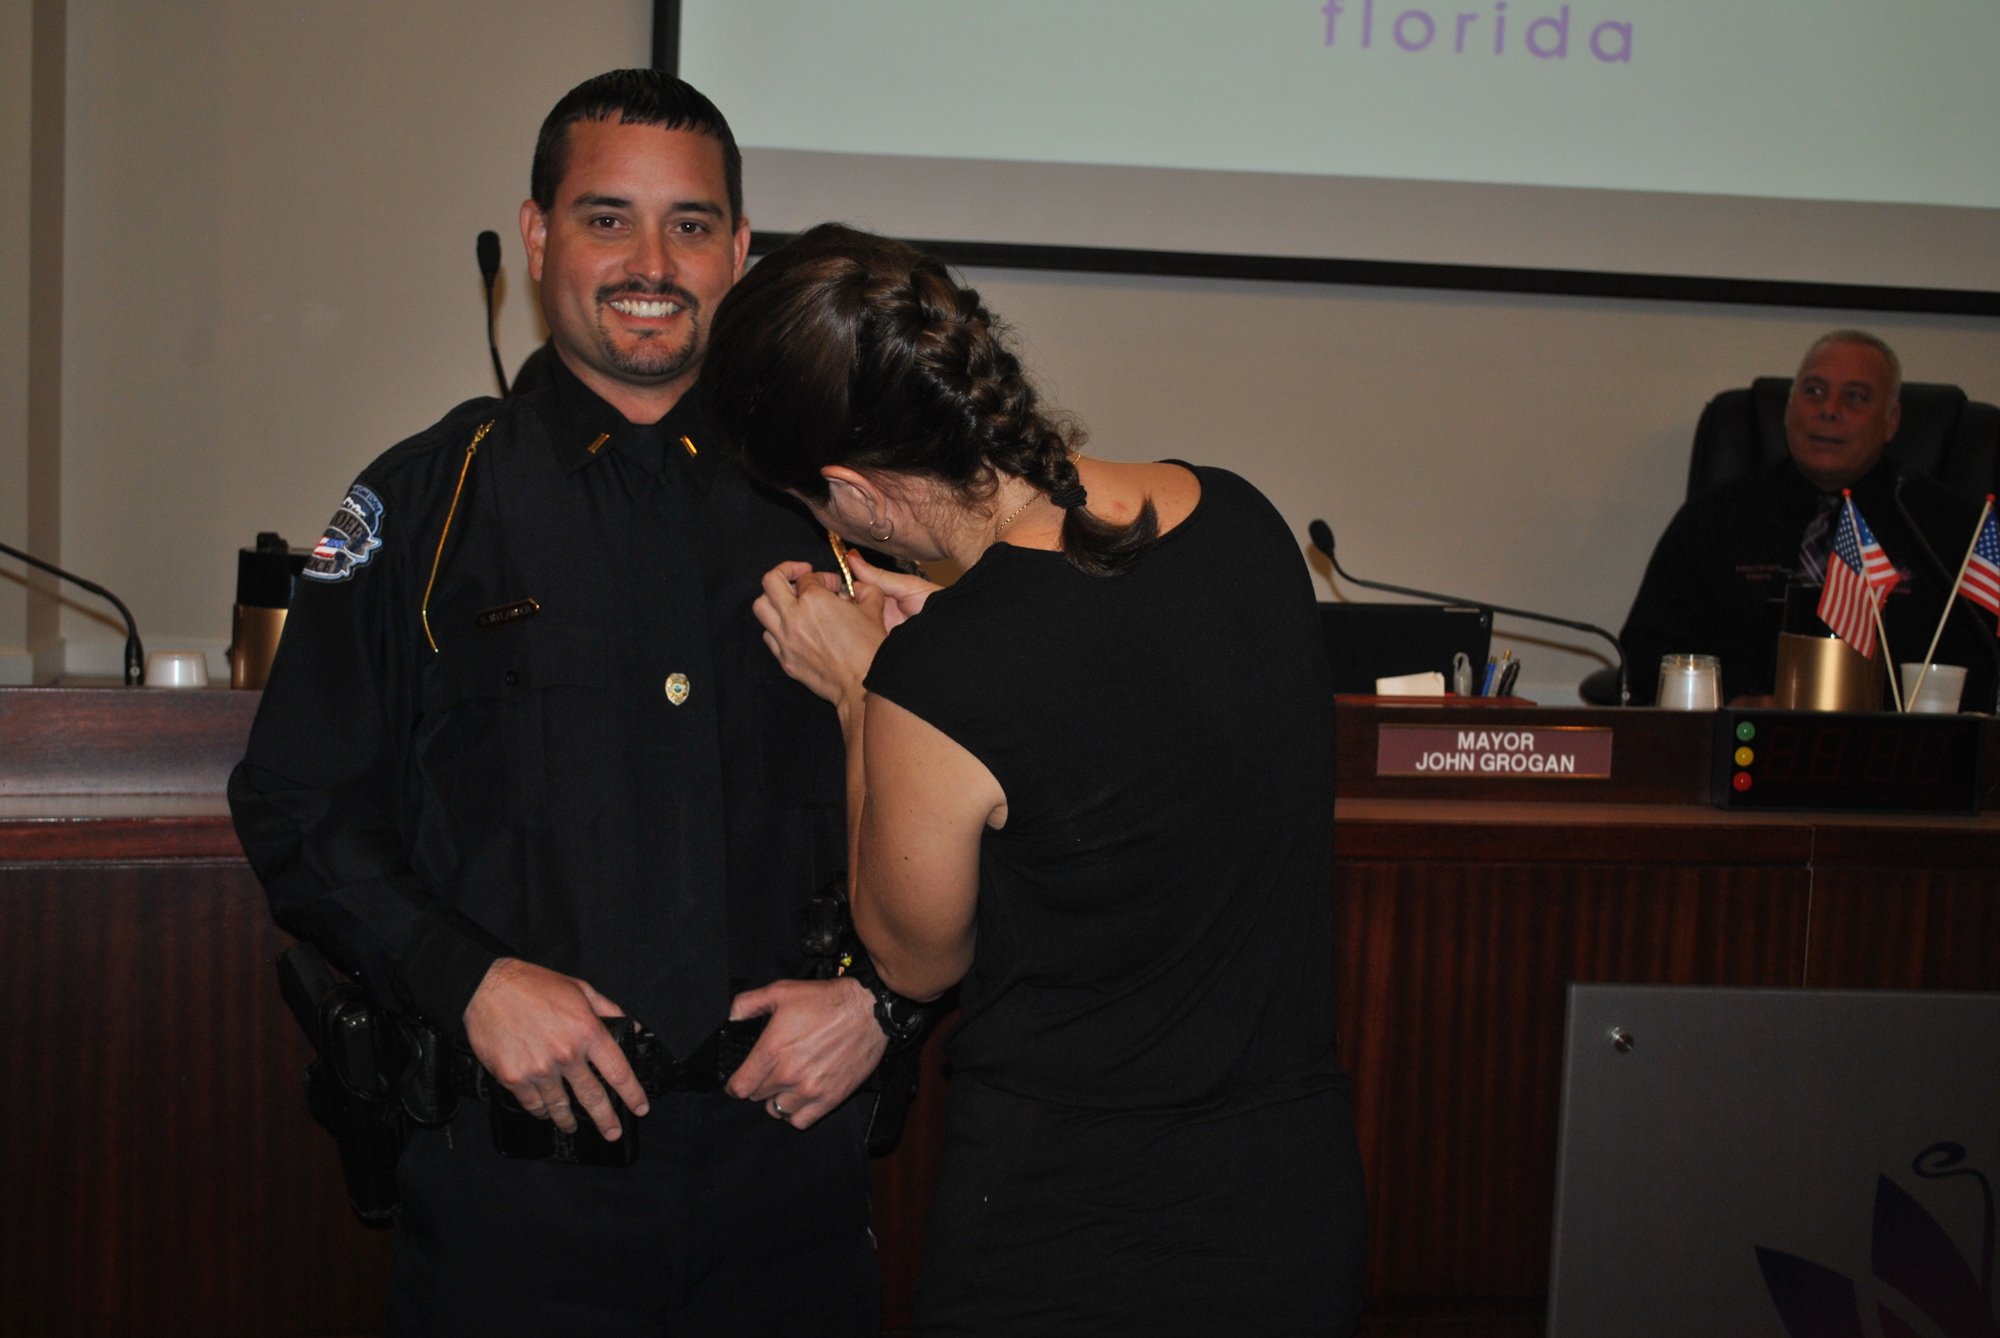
(270, 277)
(1519, 449)
(270, 211)
(16, 90)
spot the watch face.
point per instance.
(900, 1019)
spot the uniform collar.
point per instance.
(585, 429)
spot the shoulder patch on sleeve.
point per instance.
(351, 537)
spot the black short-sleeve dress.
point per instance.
(1149, 1131)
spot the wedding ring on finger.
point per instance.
(778, 1111)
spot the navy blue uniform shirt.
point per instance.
(616, 782)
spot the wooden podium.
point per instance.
(163, 1177)
(1468, 903)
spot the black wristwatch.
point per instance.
(901, 1020)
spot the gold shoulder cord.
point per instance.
(471, 450)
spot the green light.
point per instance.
(1746, 731)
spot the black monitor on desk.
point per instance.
(1370, 641)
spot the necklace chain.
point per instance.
(1016, 513)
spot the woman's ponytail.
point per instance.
(842, 347)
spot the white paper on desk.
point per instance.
(1411, 685)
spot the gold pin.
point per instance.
(692, 452)
(840, 556)
(598, 445)
(677, 688)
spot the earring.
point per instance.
(886, 532)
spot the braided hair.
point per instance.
(844, 348)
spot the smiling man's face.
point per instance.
(1842, 411)
(633, 257)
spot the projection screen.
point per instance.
(1823, 142)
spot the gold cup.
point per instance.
(1824, 673)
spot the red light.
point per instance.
(1742, 781)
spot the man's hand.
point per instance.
(821, 1041)
(535, 1030)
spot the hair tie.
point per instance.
(1070, 497)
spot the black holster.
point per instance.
(374, 1082)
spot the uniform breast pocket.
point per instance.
(521, 724)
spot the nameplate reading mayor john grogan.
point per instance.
(1565, 751)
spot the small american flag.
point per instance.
(1859, 576)
(1982, 571)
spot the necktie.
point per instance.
(1819, 538)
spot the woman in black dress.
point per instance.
(1093, 781)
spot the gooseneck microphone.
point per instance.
(1943, 573)
(488, 247)
(135, 653)
(1322, 539)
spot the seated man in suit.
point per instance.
(1731, 550)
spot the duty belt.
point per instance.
(658, 1072)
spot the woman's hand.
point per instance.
(822, 640)
(902, 596)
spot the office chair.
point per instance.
(1943, 435)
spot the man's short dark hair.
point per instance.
(636, 97)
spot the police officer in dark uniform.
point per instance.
(1729, 552)
(524, 763)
